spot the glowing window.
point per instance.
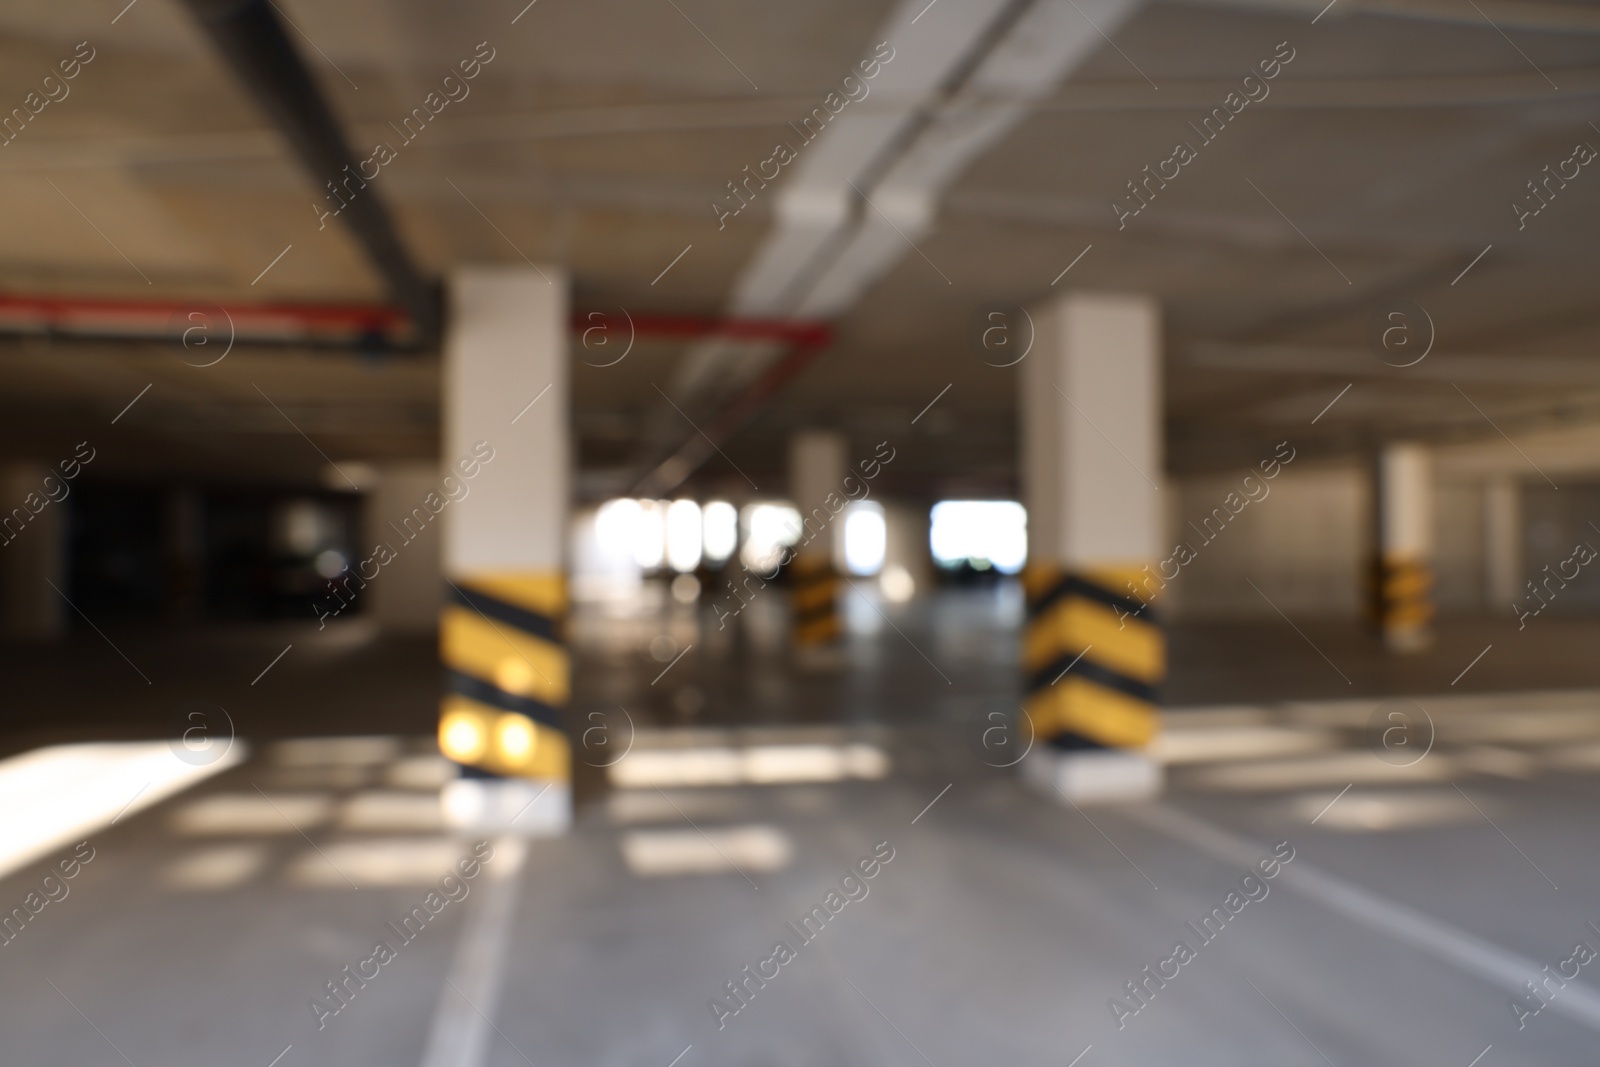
(616, 528)
(720, 520)
(865, 537)
(683, 536)
(983, 533)
(650, 543)
(769, 528)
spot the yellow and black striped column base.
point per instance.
(1402, 602)
(815, 601)
(506, 674)
(1094, 656)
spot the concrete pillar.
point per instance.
(185, 552)
(819, 461)
(405, 599)
(33, 551)
(1502, 542)
(504, 497)
(1403, 568)
(907, 564)
(1093, 652)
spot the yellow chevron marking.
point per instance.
(542, 592)
(1080, 706)
(496, 651)
(1131, 646)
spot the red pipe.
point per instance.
(89, 316)
(96, 316)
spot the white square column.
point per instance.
(1093, 653)
(1403, 569)
(818, 465)
(506, 480)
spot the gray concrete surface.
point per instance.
(998, 933)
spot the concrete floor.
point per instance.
(998, 933)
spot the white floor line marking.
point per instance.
(1443, 941)
(1080, 1056)
(281, 1055)
(459, 1035)
(679, 1056)
(1480, 1056)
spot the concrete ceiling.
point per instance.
(984, 162)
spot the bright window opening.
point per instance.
(983, 533)
(865, 537)
(683, 536)
(650, 543)
(769, 528)
(721, 522)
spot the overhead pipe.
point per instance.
(251, 38)
(362, 326)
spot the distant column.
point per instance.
(1502, 543)
(185, 537)
(1093, 651)
(504, 496)
(1402, 577)
(818, 463)
(33, 551)
(405, 598)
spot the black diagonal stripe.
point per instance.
(488, 693)
(1094, 672)
(540, 626)
(1068, 741)
(1073, 585)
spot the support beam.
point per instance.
(1093, 650)
(1502, 543)
(818, 463)
(406, 598)
(1402, 575)
(1539, 16)
(33, 553)
(253, 42)
(867, 181)
(506, 489)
